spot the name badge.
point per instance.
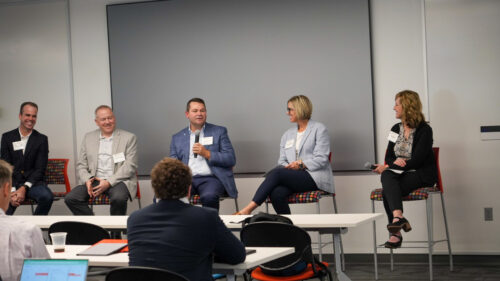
(289, 143)
(207, 141)
(18, 145)
(119, 157)
(393, 137)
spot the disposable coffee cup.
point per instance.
(58, 241)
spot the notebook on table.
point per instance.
(54, 270)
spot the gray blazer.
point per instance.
(124, 171)
(314, 151)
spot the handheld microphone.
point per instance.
(370, 166)
(196, 140)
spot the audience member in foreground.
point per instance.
(175, 235)
(409, 162)
(19, 240)
(304, 160)
(28, 151)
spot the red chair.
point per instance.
(423, 193)
(55, 173)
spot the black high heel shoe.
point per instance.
(402, 223)
(394, 245)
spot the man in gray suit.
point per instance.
(107, 164)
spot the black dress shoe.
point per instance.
(402, 223)
(394, 245)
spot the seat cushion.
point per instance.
(417, 194)
(102, 199)
(308, 273)
(305, 197)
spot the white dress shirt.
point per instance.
(198, 165)
(24, 141)
(105, 164)
(19, 240)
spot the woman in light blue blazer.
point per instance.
(304, 160)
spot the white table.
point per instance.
(262, 255)
(333, 224)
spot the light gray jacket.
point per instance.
(314, 151)
(124, 171)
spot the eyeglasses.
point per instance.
(288, 109)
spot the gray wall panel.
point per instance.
(245, 58)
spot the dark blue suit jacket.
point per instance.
(222, 158)
(30, 166)
(181, 238)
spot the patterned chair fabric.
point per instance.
(305, 197)
(417, 194)
(55, 173)
(195, 199)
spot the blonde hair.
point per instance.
(412, 114)
(5, 172)
(303, 106)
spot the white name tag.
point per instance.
(393, 137)
(289, 143)
(18, 145)
(119, 157)
(207, 141)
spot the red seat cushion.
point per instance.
(308, 273)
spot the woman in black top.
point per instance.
(409, 162)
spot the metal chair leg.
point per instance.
(267, 207)
(236, 204)
(342, 257)
(32, 209)
(139, 202)
(430, 231)
(447, 232)
(374, 242)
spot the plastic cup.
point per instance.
(58, 241)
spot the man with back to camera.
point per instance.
(28, 151)
(177, 236)
(211, 159)
(19, 240)
(107, 164)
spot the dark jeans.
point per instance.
(77, 200)
(396, 186)
(210, 190)
(279, 184)
(43, 197)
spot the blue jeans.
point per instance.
(281, 182)
(43, 197)
(210, 190)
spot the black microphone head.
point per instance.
(197, 136)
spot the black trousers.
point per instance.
(280, 183)
(396, 186)
(77, 200)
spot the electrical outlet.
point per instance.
(488, 214)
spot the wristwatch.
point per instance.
(301, 165)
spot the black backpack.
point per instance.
(266, 217)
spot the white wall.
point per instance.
(460, 97)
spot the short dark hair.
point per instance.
(25, 104)
(198, 100)
(5, 172)
(170, 179)
(101, 107)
